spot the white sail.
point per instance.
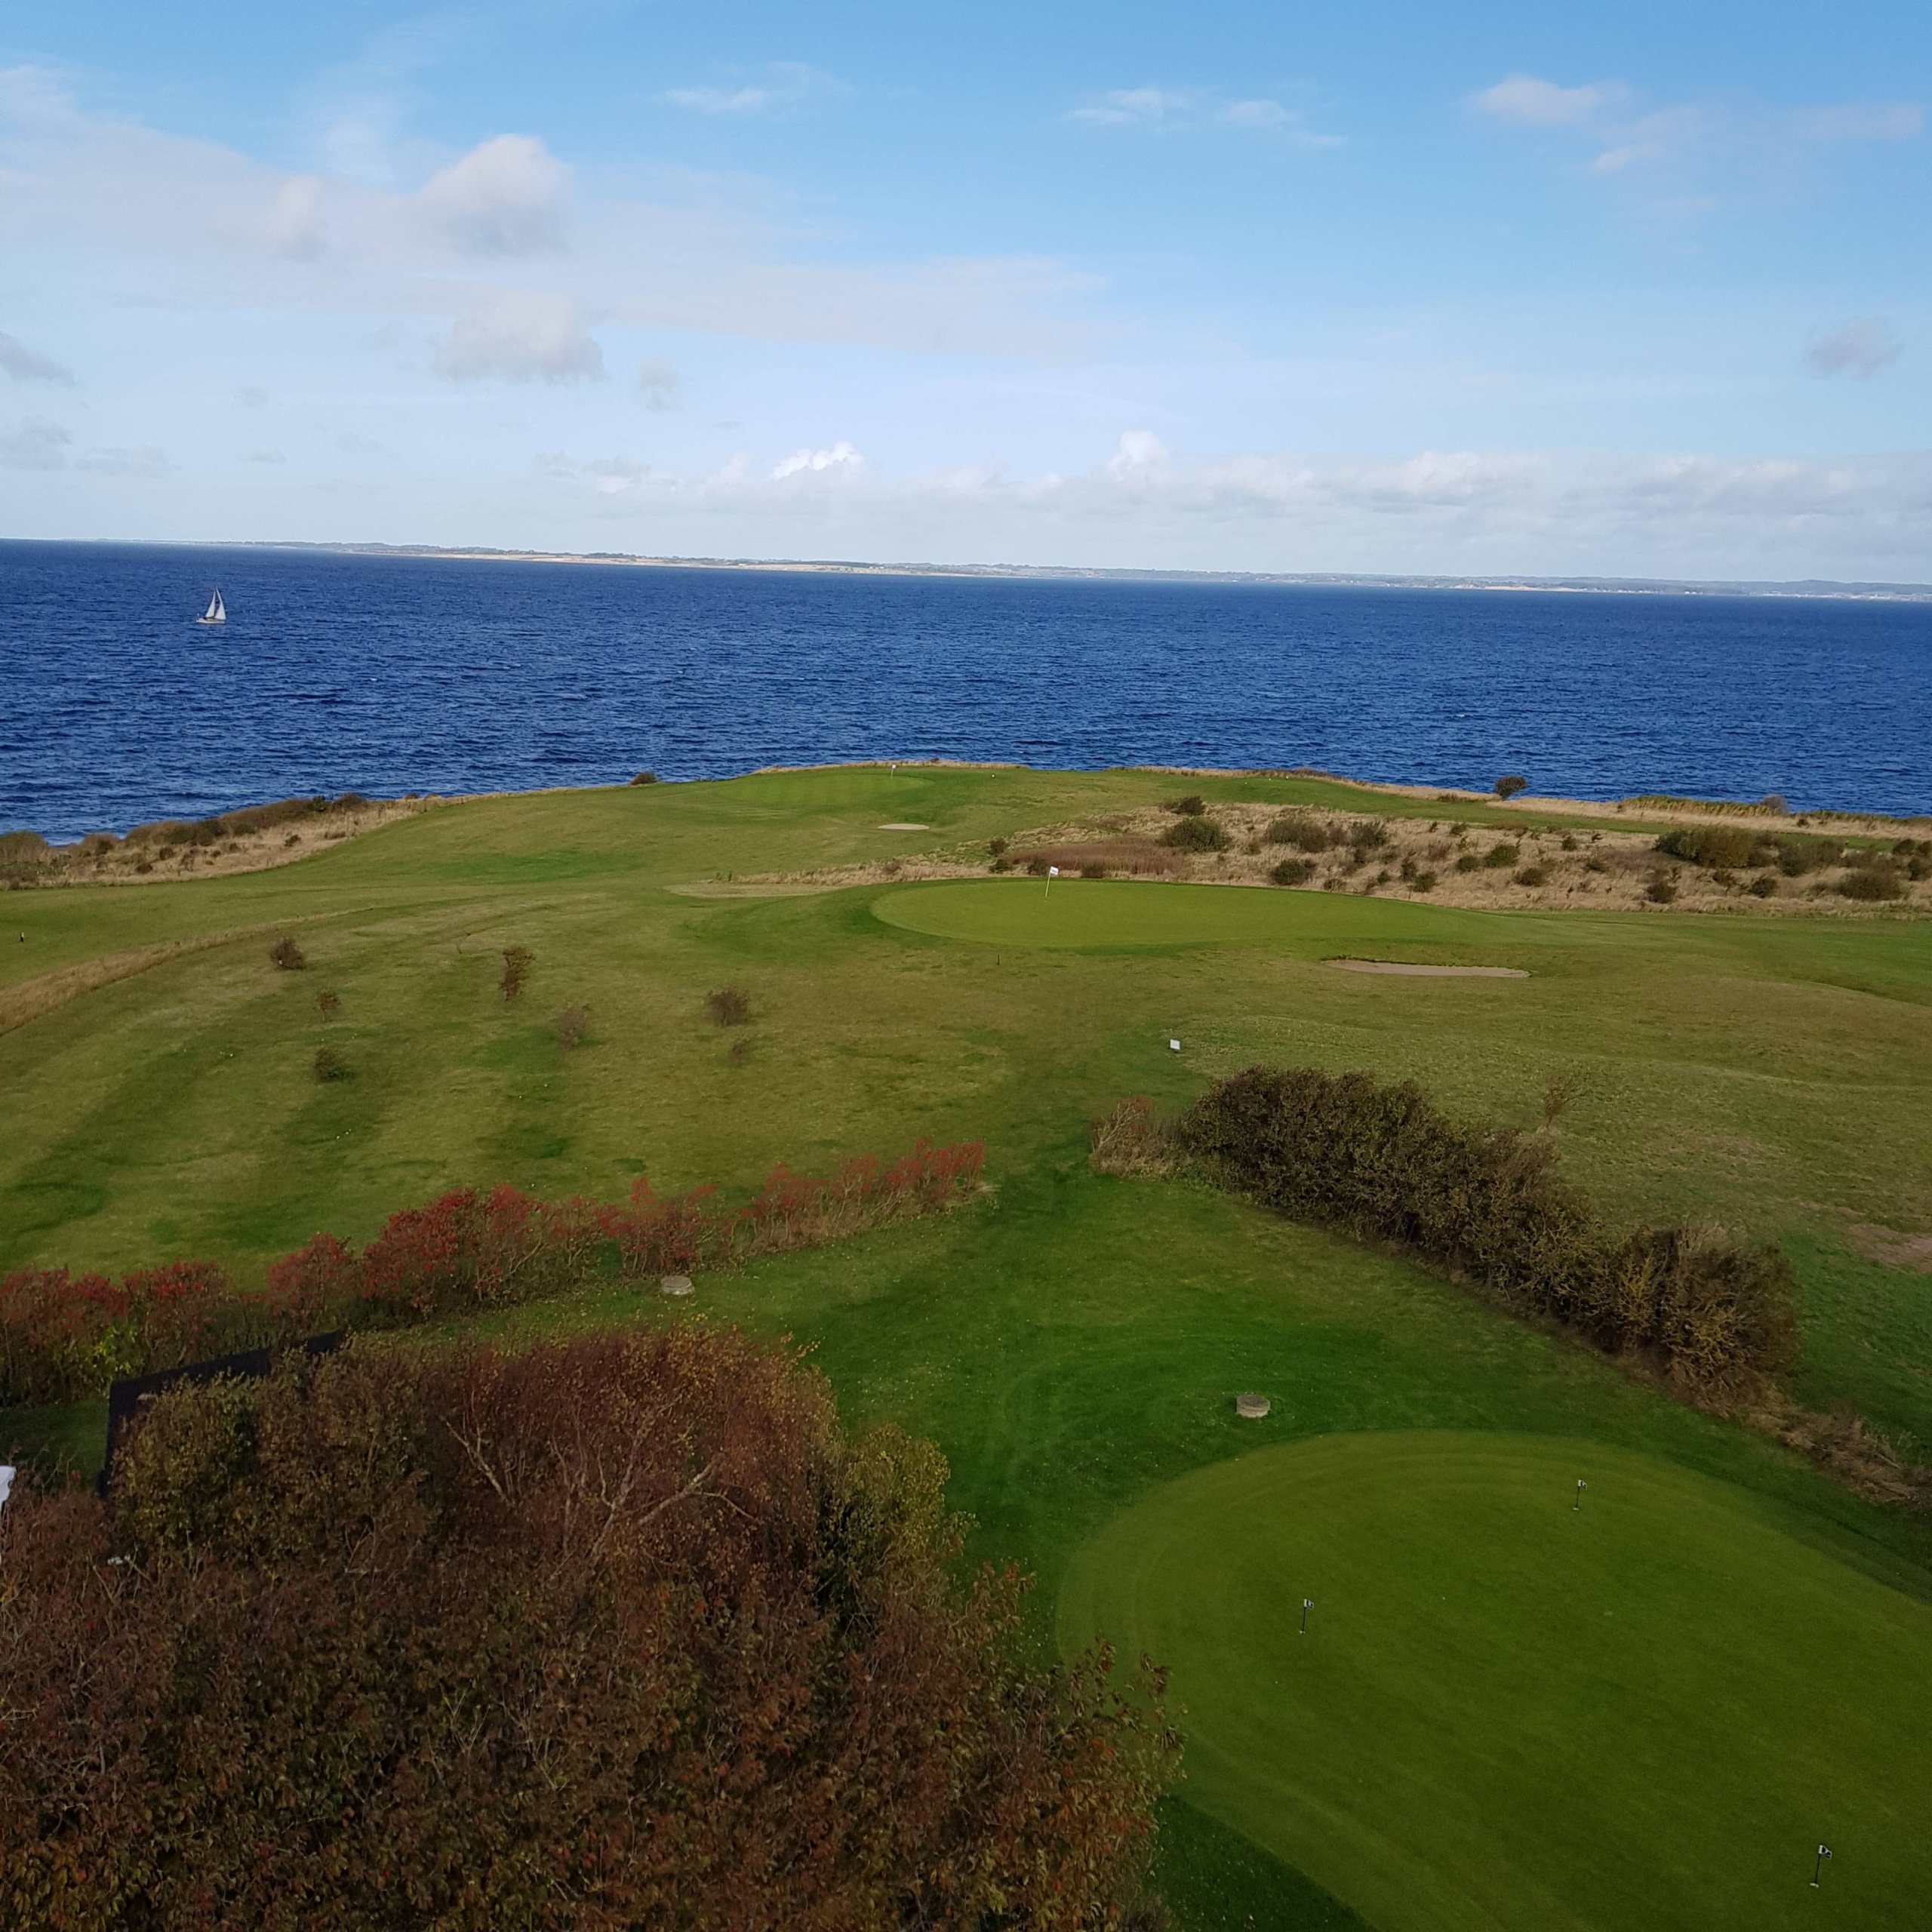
(216, 612)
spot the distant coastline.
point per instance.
(1806, 587)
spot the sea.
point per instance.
(388, 673)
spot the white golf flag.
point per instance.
(1053, 871)
(1174, 1046)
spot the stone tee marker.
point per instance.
(1251, 1406)
(675, 1284)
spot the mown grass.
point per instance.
(1074, 1343)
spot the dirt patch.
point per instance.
(1891, 1249)
(1409, 972)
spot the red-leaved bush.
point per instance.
(63, 1336)
(624, 1633)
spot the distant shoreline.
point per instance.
(1811, 588)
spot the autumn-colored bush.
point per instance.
(1384, 1163)
(1509, 786)
(288, 954)
(329, 1065)
(624, 1632)
(63, 1336)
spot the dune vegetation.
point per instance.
(179, 1088)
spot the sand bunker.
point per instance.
(1428, 972)
(905, 825)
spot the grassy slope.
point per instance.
(1075, 1342)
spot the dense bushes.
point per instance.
(624, 1632)
(1384, 1164)
(63, 1336)
(1196, 832)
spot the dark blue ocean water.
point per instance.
(393, 674)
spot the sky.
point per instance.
(1644, 290)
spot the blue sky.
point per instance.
(1640, 291)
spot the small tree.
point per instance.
(329, 1064)
(288, 954)
(571, 1025)
(728, 1006)
(1508, 786)
(517, 962)
(328, 1004)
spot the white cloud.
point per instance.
(1525, 101)
(786, 83)
(187, 222)
(1860, 120)
(1137, 106)
(1860, 347)
(1137, 454)
(841, 457)
(658, 382)
(294, 225)
(352, 445)
(505, 198)
(28, 365)
(1667, 149)
(1172, 108)
(251, 398)
(264, 456)
(522, 336)
(39, 444)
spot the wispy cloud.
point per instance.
(28, 365)
(503, 198)
(658, 382)
(782, 83)
(1689, 138)
(841, 457)
(1860, 347)
(1171, 108)
(38, 443)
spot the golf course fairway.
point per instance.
(1510, 1712)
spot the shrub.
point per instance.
(328, 1004)
(1197, 834)
(644, 778)
(518, 961)
(621, 1632)
(1132, 1139)
(1305, 834)
(1797, 855)
(728, 1006)
(1716, 845)
(329, 1064)
(1383, 1163)
(1093, 872)
(1872, 879)
(1292, 872)
(997, 847)
(1570, 843)
(1662, 889)
(1763, 888)
(1468, 862)
(1037, 864)
(288, 954)
(570, 1026)
(1498, 856)
(1509, 786)
(1192, 806)
(1532, 875)
(1423, 881)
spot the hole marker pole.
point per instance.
(1577, 1507)
(1818, 1865)
(1307, 1604)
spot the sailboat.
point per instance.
(216, 613)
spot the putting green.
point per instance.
(1110, 913)
(1506, 1712)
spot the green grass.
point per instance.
(1073, 1343)
(1507, 1713)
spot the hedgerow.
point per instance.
(623, 1632)
(1386, 1164)
(63, 1336)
